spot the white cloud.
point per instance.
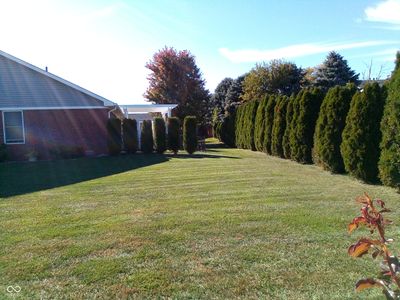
(385, 11)
(292, 51)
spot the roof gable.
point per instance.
(24, 85)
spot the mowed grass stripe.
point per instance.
(225, 224)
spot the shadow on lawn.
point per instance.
(18, 178)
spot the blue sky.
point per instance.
(104, 45)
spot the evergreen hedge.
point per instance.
(129, 135)
(286, 135)
(160, 138)
(269, 122)
(279, 126)
(389, 162)
(190, 134)
(302, 136)
(114, 139)
(361, 135)
(245, 123)
(329, 128)
(146, 137)
(259, 127)
(173, 142)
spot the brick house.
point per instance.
(40, 112)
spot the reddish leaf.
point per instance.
(380, 203)
(355, 223)
(369, 283)
(362, 247)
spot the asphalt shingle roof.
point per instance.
(21, 86)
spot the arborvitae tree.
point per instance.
(269, 122)
(239, 126)
(293, 123)
(286, 135)
(334, 71)
(146, 137)
(160, 138)
(329, 128)
(173, 142)
(279, 126)
(114, 138)
(389, 162)
(250, 124)
(130, 135)
(190, 134)
(227, 129)
(361, 135)
(307, 111)
(259, 128)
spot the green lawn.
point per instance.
(225, 224)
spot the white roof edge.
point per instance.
(59, 79)
(148, 105)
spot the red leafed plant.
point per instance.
(372, 212)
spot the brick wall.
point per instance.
(45, 129)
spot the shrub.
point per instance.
(146, 137)
(130, 135)
(389, 162)
(190, 134)
(279, 126)
(160, 139)
(259, 127)
(286, 135)
(3, 152)
(269, 122)
(329, 128)
(361, 135)
(114, 139)
(173, 143)
(307, 109)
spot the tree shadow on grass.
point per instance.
(18, 178)
(200, 155)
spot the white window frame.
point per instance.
(4, 128)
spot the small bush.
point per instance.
(3, 152)
(362, 135)
(279, 126)
(190, 134)
(173, 142)
(146, 137)
(160, 138)
(329, 128)
(114, 139)
(129, 135)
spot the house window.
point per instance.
(13, 127)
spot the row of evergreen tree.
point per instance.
(344, 130)
(154, 136)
